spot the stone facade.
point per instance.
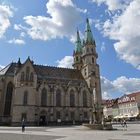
(49, 95)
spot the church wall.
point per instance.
(19, 95)
(20, 111)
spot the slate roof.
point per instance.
(46, 72)
(55, 72)
(8, 70)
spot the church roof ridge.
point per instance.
(54, 67)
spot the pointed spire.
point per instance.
(28, 58)
(88, 33)
(78, 46)
(19, 62)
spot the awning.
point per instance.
(118, 117)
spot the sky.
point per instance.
(45, 30)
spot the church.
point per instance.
(45, 95)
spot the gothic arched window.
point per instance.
(76, 58)
(58, 97)
(72, 115)
(58, 115)
(22, 76)
(84, 99)
(31, 77)
(93, 60)
(8, 99)
(25, 98)
(87, 50)
(27, 73)
(44, 97)
(72, 98)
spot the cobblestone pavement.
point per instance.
(70, 133)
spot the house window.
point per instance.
(25, 98)
(72, 98)
(44, 97)
(58, 97)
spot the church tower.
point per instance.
(90, 69)
(77, 53)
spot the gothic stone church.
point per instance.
(48, 95)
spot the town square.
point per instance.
(69, 70)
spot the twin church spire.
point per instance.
(88, 33)
(88, 38)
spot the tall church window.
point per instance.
(58, 115)
(84, 99)
(87, 50)
(31, 77)
(44, 97)
(72, 115)
(25, 98)
(72, 98)
(93, 60)
(8, 99)
(24, 116)
(85, 72)
(27, 73)
(22, 76)
(77, 58)
(85, 115)
(58, 97)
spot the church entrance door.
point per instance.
(42, 121)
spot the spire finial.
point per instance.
(87, 20)
(19, 62)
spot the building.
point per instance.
(129, 105)
(47, 95)
(111, 108)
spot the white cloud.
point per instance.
(113, 4)
(61, 22)
(22, 34)
(103, 48)
(19, 27)
(65, 62)
(5, 14)
(121, 85)
(17, 41)
(125, 30)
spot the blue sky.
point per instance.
(45, 31)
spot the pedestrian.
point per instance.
(23, 125)
(124, 123)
